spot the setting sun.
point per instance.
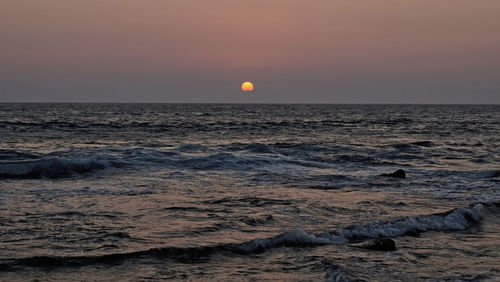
(247, 86)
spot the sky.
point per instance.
(295, 51)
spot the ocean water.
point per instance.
(133, 192)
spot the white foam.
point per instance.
(297, 237)
(458, 219)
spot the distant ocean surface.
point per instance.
(248, 192)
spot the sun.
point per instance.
(247, 86)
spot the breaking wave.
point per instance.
(453, 220)
(273, 158)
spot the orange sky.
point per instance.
(288, 45)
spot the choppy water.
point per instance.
(241, 192)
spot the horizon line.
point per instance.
(253, 103)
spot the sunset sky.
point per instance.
(295, 51)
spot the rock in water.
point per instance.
(398, 174)
(383, 244)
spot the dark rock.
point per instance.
(398, 174)
(383, 244)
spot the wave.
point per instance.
(248, 201)
(200, 125)
(61, 164)
(51, 167)
(477, 174)
(413, 145)
(44, 124)
(453, 220)
(281, 147)
(191, 147)
(335, 273)
(16, 155)
(275, 158)
(252, 221)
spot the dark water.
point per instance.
(242, 192)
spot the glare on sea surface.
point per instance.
(247, 86)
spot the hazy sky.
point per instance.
(333, 51)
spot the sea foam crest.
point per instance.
(456, 219)
(295, 238)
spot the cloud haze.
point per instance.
(333, 51)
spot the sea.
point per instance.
(239, 192)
